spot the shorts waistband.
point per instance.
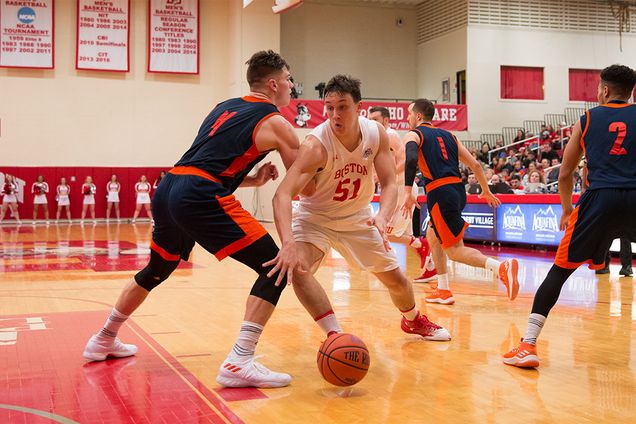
(192, 170)
(441, 182)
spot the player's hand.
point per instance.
(565, 218)
(286, 263)
(490, 198)
(266, 172)
(379, 222)
(408, 203)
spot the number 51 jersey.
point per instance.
(344, 187)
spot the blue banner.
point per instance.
(481, 218)
(529, 223)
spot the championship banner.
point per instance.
(310, 113)
(173, 36)
(26, 33)
(103, 34)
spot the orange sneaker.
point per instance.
(523, 356)
(425, 328)
(508, 272)
(445, 297)
(427, 275)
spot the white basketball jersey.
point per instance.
(344, 188)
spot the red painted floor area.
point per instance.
(42, 369)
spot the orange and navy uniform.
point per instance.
(438, 160)
(607, 210)
(194, 202)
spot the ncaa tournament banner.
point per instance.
(103, 34)
(26, 33)
(173, 36)
(310, 113)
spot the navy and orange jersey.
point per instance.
(438, 157)
(609, 143)
(224, 146)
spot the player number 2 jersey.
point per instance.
(344, 188)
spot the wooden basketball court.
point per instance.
(58, 283)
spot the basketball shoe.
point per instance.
(250, 373)
(98, 349)
(427, 276)
(522, 356)
(444, 297)
(423, 251)
(425, 328)
(508, 274)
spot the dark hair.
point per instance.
(383, 111)
(344, 84)
(515, 177)
(262, 65)
(621, 79)
(425, 107)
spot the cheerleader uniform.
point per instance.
(41, 189)
(143, 193)
(89, 199)
(113, 192)
(62, 195)
(11, 197)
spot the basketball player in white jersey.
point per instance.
(339, 156)
(400, 229)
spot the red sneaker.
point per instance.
(522, 356)
(445, 297)
(424, 250)
(427, 275)
(508, 271)
(425, 328)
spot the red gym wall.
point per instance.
(127, 177)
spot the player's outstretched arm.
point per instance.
(311, 157)
(467, 159)
(571, 158)
(384, 164)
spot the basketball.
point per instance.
(343, 359)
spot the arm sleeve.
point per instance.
(410, 164)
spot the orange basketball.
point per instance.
(343, 359)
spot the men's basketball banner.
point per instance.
(26, 33)
(103, 35)
(310, 113)
(173, 36)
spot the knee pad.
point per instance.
(265, 289)
(157, 271)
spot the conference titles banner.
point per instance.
(26, 34)
(103, 35)
(173, 36)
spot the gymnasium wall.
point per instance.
(320, 40)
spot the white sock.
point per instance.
(442, 282)
(493, 265)
(535, 324)
(114, 322)
(415, 242)
(328, 322)
(245, 345)
(411, 314)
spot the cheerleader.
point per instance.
(162, 174)
(63, 191)
(88, 190)
(10, 198)
(112, 198)
(39, 189)
(142, 190)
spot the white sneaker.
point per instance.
(250, 374)
(98, 350)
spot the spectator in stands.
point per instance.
(545, 163)
(567, 130)
(473, 186)
(498, 145)
(506, 165)
(515, 184)
(552, 131)
(518, 167)
(504, 175)
(499, 187)
(553, 174)
(489, 173)
(483, 153)
(535, 185)
(532, 166)
(521, 135)
(544, 134)
(495, 164)
(548, 152)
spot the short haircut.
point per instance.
(426, 108)
(344, 84)
(620, 79)
(515, 177)
(383, 111)
(262, 65)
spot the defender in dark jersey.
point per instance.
(194, 203)
(606, 135)
(437, 152)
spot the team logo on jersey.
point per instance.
(514, 219)
(367, 152)
(545, 220)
